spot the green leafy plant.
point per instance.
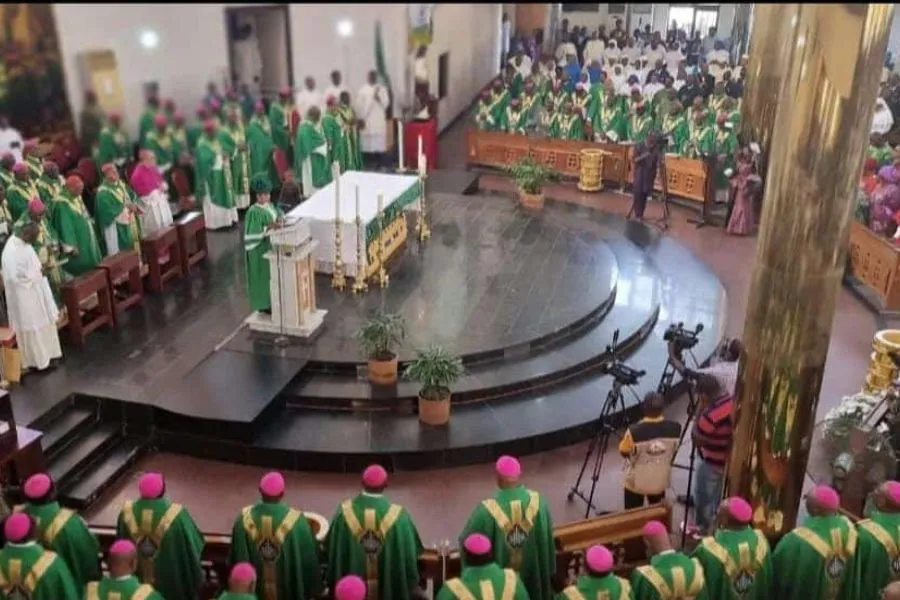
(381, 334)
(436, 369)
(530, 175)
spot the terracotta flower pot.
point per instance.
(434, 412)
(383, 372)
(531, 201)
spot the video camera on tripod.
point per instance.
(682, 339)
(622, 373)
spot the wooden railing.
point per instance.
(620, 532)
(687, 177)
(875, 262)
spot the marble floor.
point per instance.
(440, 500)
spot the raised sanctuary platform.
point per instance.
(530, 300)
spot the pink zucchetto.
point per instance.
(654, 528)
(115, 115)
(109, 168)
(739, 509)
(350, 587)
(243, 572)
(272, 485)
(259, 105)
(477, 544)
(17, 527)
(35, 206)
(122, 548)
(508, 467)
(37, 486)
(892, 488)
(374, 477)
(209, 125)
(285, 92)
(201, 109)
(215, 104)
(827, 497)
(20, 167)
(151, 486)
(160, 120)
(599, 559)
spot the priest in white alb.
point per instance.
(371, 106)
(308, 97)
(32, 310)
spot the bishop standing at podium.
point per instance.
(261, 218)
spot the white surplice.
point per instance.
(157, 212)
(333, 91)
(32, 310)
(371, 104)
(306, 99)
(11, 141)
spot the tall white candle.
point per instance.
(337, 191)
(357, 202)
(420, 146)
(400, 142)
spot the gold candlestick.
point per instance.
(359, 285)
(382, 274)
(338, 280)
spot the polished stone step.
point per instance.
(63, 429)
(82, 451)
(83, 490)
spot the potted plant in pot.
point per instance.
(379, 337)
(530, 177)
(436, 369)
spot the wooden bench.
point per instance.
(156, 246)
(77, 291)
(191, 239)
(123, 273)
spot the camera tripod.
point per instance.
(611, 418)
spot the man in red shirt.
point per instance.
(712, 436)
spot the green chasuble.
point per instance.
(35, 167)
(163, 147)
(611, 118)
(814, 561)
(111, 199)
(638, 127)
(334, 135)
(146, 124)
(701, 139)
(126, 588)
(47, 248)
(260, 145)
(66, 534)
(498, 104)
(18, 195)
(514, 121)
(169, 546)
(376, 540)
(583, 104)
(113, 146)
(725, 146)
(236, 596)
(878, 552)
(75, 227)
(521, 531)
(475, 582)
(29, 571)
(278, 121)
(670, 575)
(589, 587)
(676, 128)
(737, 565)
(484, 116)
(352, 148)
(716, 101)
(212, 173)
(179, 142)
(6, 178)
(49, 190)
(530, 103)
(279, 543)
(259, 218)
(569, 127)
(231, 137)
(193, 133)
(311, 158)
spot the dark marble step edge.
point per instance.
(74, 497)
(112, 437)
(55, 441)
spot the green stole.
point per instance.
(126, 588)
(279, 543)
(35, 167)
(63, 532)
(878, 552)
(376, 540)
(521, 531)
(513, 121)
(668, 576)
(590, 587)
(75, 227)
(736, 564)
(29, 571)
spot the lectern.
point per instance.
(292, 283)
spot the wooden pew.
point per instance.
(84, 321)
(155, 246)
(191, 239)
(123, 270)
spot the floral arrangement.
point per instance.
(850, 413)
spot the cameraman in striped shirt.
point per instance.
(712, 435)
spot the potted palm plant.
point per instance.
(379, 337)
(436, 370)
(530, 177)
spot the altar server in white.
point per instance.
(32, 310)
(334, 90)
(308, 97)
(371, 104)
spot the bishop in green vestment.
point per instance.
(484, 115)
(148, 118)
(610, 119)
(6, 225)
(277, 540)
(639, 124)
(701, 137)
(61, 530)
(233, 139)
(50, 185)
(599, 581)
(877, 560)
(350, 126)
(376, 540)
(115, 205)
(670, 574)
(311, 164)
(195, 132)
(514, 118)
(260, 145)
(335, 136)
(482, 578)
(675, 128)
(724, 147)
(737, 564)
(242, 583)
(178, 135)
(518, 524)
(76, 229)
(121, 583)
(499, 99)
(22, 190)
(213, 180)
(113, 144)
(32, 158)
(27, 570)
(158, 141)
(168, 541)
(261, 218)
(582, 101)
(279, 121)
(7, 162)
(816, 559)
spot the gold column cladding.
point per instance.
(769, 52)
(821, 133)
